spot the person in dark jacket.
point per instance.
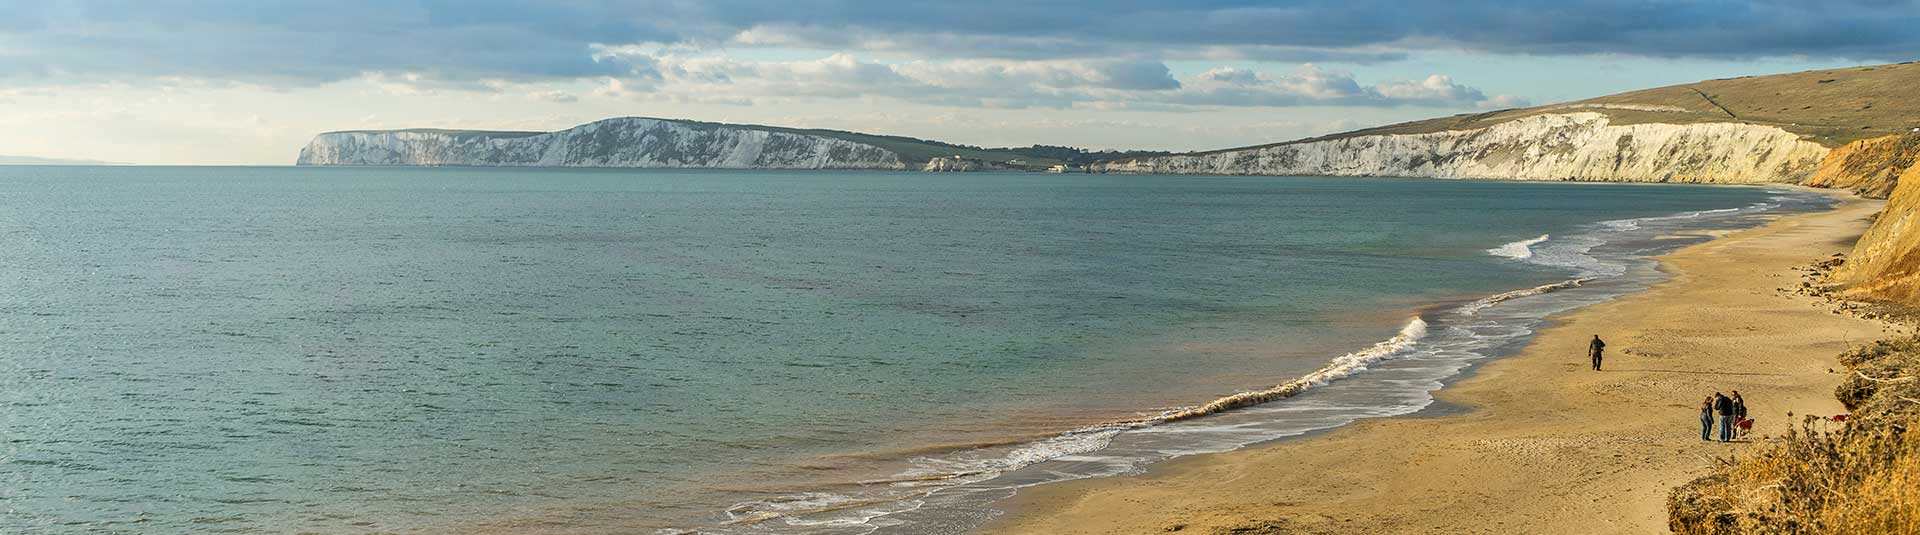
(1594, 349)
(1706, 419)
(1723, 406)
(1739, 412)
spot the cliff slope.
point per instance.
(623, 142)
(1774, 128)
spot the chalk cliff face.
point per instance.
(1576, 146)
(624, 142)
(958, 164)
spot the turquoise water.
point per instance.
(334, 350)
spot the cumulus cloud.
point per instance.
(1434, 88)
(1100, 74)
(1501, 102)
(699, 77)
(553, 95)
(1313, 85)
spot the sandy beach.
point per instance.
(1539, 443)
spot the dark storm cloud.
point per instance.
(292, 43)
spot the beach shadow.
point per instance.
(1691, 372)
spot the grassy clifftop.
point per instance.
(1831, 107)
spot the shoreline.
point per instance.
(1531, 442)
(1461, 340)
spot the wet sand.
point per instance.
(1543, 445)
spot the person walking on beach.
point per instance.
(1739, 412)
(1725, 407)
(1706, 419)
(1594, 349)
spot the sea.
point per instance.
(188, 350)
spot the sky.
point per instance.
(250, 82)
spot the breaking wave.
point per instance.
(1477, 306)
(1520, 250)
(935, 474)
(1341, 367)
(1634, 224)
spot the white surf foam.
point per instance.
(1340, 367)
(1520, 250)
(1632, 224)
(933, 474)
(1481, 304)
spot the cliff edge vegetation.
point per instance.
(1860, 476)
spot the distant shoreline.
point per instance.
(33, 160)
(932, 173)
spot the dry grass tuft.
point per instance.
(1857, 477)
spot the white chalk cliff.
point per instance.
(622, 142)
(1575, 146)
(957, 164)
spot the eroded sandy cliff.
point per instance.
(1885, 263)
(1870, 167)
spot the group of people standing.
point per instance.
(1732, 411)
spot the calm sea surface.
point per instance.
(280, 350)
